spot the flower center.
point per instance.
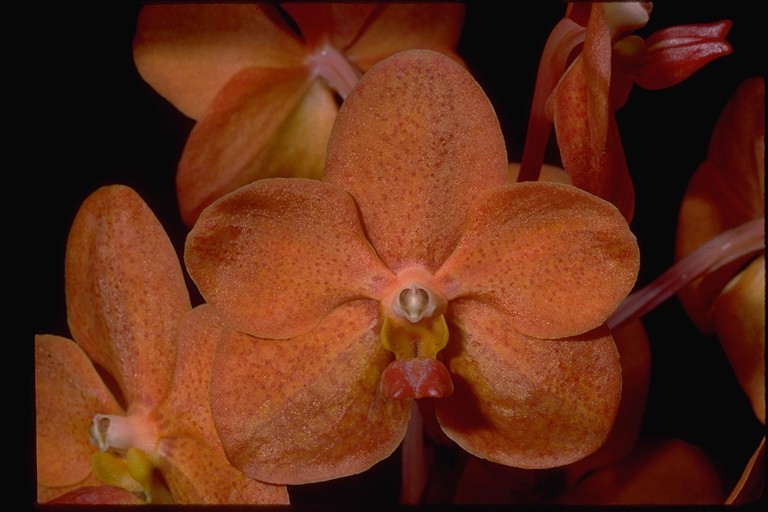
(415, 330)
(331, 65)
(122, 460)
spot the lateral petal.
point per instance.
(553, 258)
(522, 401)
(309, 408)
(68, 394)
(125, 291)
(278, 255)
(194, 466)
(414, 143)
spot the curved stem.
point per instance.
(331, 65)
(726, 247)
(566, 35)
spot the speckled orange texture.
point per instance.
(277, 256)
(552, 258)
(194, 463)
(415, 145)
(125, 292)
(68, 393)
(307, 409)
(523, 401)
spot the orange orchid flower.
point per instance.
(580, 100)
(262, 79)
(725, 201)
(122, 413)
(415, 270)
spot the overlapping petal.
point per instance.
(68, 393)
(189, 59)
(727, 190)
(534, 251)
(522, 401)
(308, 408)
(262, 124)
(277, 256)
(194, 465)
(420, 158)
(125, 292)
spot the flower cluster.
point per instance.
(358, 272)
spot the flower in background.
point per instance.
(122, 413)
(725, 201)
(263, 80)
(414, 270)
(579, 96)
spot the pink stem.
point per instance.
(413, 460)
(566, 35)
(330, 64)
(720, 250)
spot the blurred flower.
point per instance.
(125, 406)
(261, 79)
(725, 200)
(579, 97)
(413, 270)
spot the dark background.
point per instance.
(93, 122)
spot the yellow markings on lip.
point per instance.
(134, 472)
(411, 340)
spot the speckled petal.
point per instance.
(195, 467)
(278, 255)
(553, 258)
(415, 142)
(68, 393)
(188, 52)
(307, 409)
(522, 401)
(125, 291)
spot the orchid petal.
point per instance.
(726, 191)
(278, 255)
(751, 485)
(589, 139)
(97, 495)
(315, 412)
(125, 292)
(675, 53)
(189, 61)
(635, 355)
(68, 393)
(535, 251)
(337, 24)
(398, 27)
(413, 196)
(509, 386)
(195, 466)
(262, 124)
(659, 472)
(739, 318)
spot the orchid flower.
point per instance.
(725, 200)
(413, 271)
(262, 80)
(579, 98)
(122, 413)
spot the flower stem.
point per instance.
(724, 248)
(331, 65)
(413, 460)
(566, 35)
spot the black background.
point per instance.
(89, 120)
